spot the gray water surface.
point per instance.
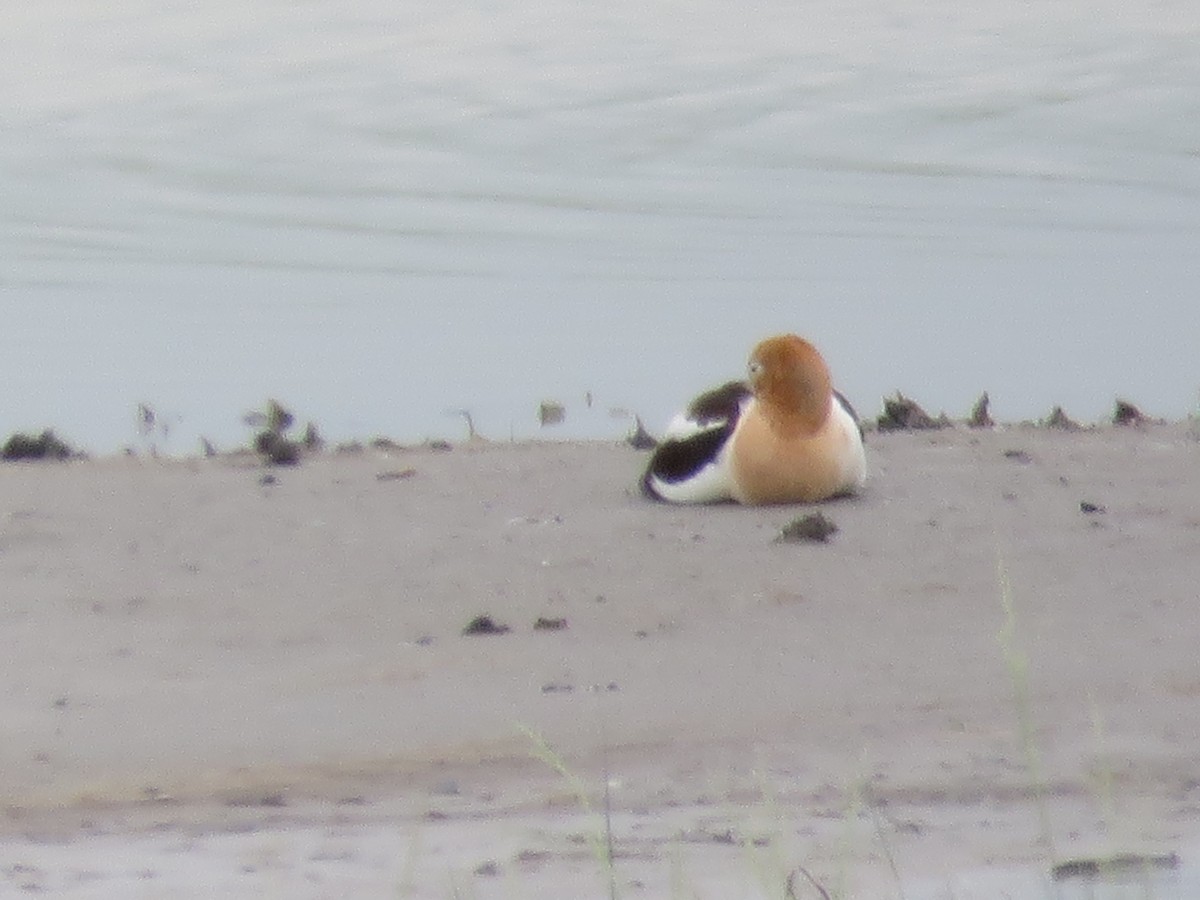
(385, 213)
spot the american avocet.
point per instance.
(783, 436)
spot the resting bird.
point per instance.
(783, 436)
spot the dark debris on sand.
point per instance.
(396, 475)
(979, 413)
(640, 438)
(272, 441)
(814, 527)
(484, 625)
(277, 449)
(46, 445)
(1060, 420)
(1137, 864)
(903, 414)
(1125, 413)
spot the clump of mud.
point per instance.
(901, 413)
(814, 528)
(46, 445)
(1125, 413)
(484, 625)
(272, 441)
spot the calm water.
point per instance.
(385, 211)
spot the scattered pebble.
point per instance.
(1088, 508)
(396, 475)
(543, 623)
(532, 857)
(812, 527)
(270, 801)
(484, 625)
(1018, 456)
(387, 444)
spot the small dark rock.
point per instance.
(813, 527)
(1088, 508)
(396, 475)
(543, 623)
(385, 444)
(270, 801)
(1018, 456)
(484, 625)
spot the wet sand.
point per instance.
(215, 684)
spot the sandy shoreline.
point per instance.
(199, 664)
